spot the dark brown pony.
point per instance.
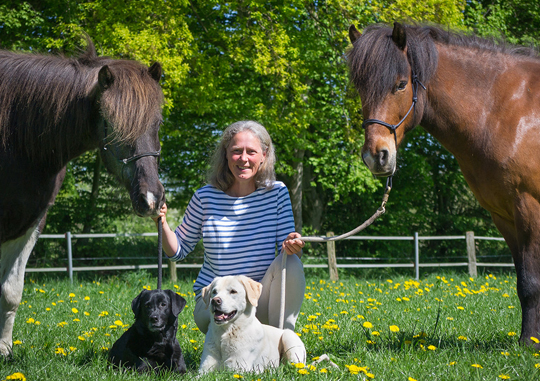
(53, 109)
(481, 100)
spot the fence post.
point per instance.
(332, 263)
(471, 253)
(70, 257)
(416, 257)
(172, 270)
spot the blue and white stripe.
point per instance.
(239, 234)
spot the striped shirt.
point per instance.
(239, 234)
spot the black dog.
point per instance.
(151, 343)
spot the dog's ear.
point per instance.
(177, 302)
(136, 304)
(207, 293)
(253, 289)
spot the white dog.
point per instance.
(236, 339)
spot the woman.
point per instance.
(241, 216)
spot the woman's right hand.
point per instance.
(162, 214)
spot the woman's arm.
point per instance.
(170, 243)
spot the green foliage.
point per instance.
(282, 64)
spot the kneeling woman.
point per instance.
(242, 216)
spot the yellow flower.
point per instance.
(118, 322)
(86, 313)
(375, 333)
(303, 371)
(323, 370)
(505, 353)
(367, 324)
(462, 338)
(81, 338)
(86, 298)
(452, 363)
(504, 376)
(30, 321)
(60, 351)
(71, 295)
(299, 365)
(394, 328)
(17, 342)
(74, 310)
(411, 379)
(237, 376)
(432, 347)
(477, 366)
(16, 376)
(535, 339)
(511, 334)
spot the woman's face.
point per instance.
(245, 155)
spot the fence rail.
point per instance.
(332, 265)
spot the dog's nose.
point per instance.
(216, 301)
(154, 318)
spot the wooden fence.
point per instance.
(332, 265)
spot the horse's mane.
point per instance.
(375, 61)
(48, 103)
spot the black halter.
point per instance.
(393, 127)
(127, 160)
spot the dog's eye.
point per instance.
(163, 304)
(234, 292)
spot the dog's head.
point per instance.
(156, 309)
(228, 297)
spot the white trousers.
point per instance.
(270, 300)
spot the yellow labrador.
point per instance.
(236, 339)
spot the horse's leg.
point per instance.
(13, 257)
(525, 249)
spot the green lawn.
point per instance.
(449, 327)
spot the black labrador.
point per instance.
(151, 343)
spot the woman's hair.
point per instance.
(219, 174)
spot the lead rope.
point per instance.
(380, 211)
(160, 254)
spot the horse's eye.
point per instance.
(401, 86)
(234, 292)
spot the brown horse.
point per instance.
(53, 109)
(481, 101)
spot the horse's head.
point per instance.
(381, 70)
(130, 100)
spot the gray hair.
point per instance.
(220, 175)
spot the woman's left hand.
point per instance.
(293, 244)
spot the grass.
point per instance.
(443, 327)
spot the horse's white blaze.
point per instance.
(151, 199)
(13, 257)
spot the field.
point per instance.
(443, 327)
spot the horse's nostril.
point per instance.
(383, 157)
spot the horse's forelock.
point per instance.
(376, 62)
(133, 101)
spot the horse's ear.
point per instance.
(354, 34)
(155, 71)
(399, 36)
(105, 78)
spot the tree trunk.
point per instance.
(296, 189)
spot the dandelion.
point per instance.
(71, 295)
(535, 339)
(452, 363)
(504, 377)
(323, 370)
(450, 318)
(30, 321)
(60, 351)
(299, 365)
(462, 338)
(375, 333)
(411, 379)
(511, 334)
(81, 338)
(118, 322)
(505, 353)
(394, 328)
(432, 347)
(237, 376)
(17, 342)
(303, 371)
(367, 324)
(537, 366)
(16, 376)
(477, 366)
